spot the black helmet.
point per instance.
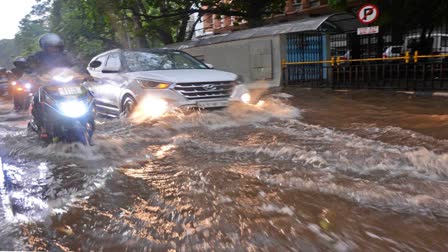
(51, 40)
(19, 62)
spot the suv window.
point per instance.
(114, 61)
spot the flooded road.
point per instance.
(308, 170)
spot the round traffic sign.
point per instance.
(368, 13)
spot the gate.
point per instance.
(374, 61)
(306, 48)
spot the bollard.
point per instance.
(406, 57)
(415, 56)
(283, 63)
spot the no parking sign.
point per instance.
(368, 13)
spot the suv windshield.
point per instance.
(151, 61)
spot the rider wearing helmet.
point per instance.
(20, 66)
(16, 73)
(50, 57)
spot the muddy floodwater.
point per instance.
(307, 170)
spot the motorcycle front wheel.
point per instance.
(87, 133)
(86, 139)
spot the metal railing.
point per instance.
(407, 72)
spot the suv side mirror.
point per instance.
(209, 66)
(95, 64)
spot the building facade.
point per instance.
(294, 9)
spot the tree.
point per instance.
(8, 51)
(91, 26)
(83, 26)
(30, 31)
(169, 18)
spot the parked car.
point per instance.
(343, 55)
(346, 56)
(392, 51)
(439, 43)
(159, 77)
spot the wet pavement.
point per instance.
(308, 170)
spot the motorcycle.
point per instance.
(22, 93)
(64, 109)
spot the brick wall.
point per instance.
(217, 24)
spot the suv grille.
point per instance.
(208, 90)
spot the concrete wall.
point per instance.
(257, 61)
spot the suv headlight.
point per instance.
(246, 98)
(153, 84)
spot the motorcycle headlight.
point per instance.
(153, 84)
(73, 109)
(28, 85)
(13, 83)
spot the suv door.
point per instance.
(112, 82)
(97, 86)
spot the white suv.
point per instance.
(159, 76)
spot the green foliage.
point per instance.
(253, 11)
(83, 25)
(8, 52)
(27, 38)
(339, 5)
(92, 26)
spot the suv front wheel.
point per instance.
(128, 106)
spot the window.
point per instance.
(113, 62)
(444, 42)
(182, 62)
(200, 57)
(161, 60)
